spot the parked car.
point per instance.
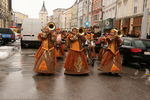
(1, 40)
(17, 36)
(134, 50)
(7, 35)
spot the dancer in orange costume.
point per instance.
(111, 60)
(76, 61)
(102, 42)
(45, 58)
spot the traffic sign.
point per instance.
(87, 24)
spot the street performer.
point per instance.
(45, 58)
(111, 60)
(60, 52)
(102, 41)
(91, 45)
(76, 61)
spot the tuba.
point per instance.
(81, 31)
(119, 34)
(51, 26)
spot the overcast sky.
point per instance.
(32, 7)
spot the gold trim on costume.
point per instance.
(78, 64)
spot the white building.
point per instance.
(57, 15)
(43, 15)
(129, 16)
(87, 11)
(66, 19)
(109, 9)
(50, 18)
(74, 14)
(80, 13)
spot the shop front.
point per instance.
(126, 26)
(137, 23)
(108, 25)
(118, 24)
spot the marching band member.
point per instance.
(76, 61)
(59, 45)
(102, 41)
(64, 39)
(45, 58)
(111, 60)
(90, 40)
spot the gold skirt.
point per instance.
(76, 63)
(45, 61)
(110, 63)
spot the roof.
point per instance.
(43, 9)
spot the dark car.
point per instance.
(1, 40)
(134, 50)
(7, 35)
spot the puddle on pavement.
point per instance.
(11, 69)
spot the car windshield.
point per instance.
(147, 43)
(6, 31)
(142, 43)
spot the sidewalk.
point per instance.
(6, 51)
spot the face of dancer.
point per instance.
(53, 32)
(112, 33)
(46, 30)
(74, 31)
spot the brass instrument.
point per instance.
(51, 26)
(119, 34)
(81, 31)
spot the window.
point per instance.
(135, 10)
(144, 4)
(139, 44)
(127, 43)
(135, 6)
(96, 17)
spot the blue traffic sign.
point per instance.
(87, 24)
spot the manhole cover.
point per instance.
(11, 69)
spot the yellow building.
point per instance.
(19, 17)
(5, 13)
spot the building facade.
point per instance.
(57, 15)
(129, 16)
(80, 13)
(109, 14)
(96, 12)
(50, 18)
(6, 13)
(19, 17)
(74, 14)
(66, 19)
(43, 15)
